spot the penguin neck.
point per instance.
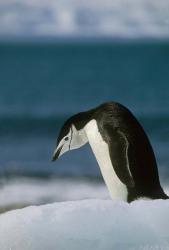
(100, 149)
(79, 122)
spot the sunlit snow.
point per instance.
(88, 225)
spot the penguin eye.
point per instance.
(66, 138)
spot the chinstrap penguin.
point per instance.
(121, 147)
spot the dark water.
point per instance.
(43, 84)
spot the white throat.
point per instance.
(100, 149)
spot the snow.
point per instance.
(88, 224)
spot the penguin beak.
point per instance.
(56, 153)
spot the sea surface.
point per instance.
(43, 84)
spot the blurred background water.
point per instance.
(59, 58)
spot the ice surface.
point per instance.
(88, 225)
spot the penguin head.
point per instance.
(70, 137)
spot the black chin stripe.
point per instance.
(70, 137)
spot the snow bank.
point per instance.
(88, 225)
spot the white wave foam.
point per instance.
(89, 224)
(36, 191)
(41, 191)
(118, 18)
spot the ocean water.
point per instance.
(42, 84)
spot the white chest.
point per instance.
(100, 149)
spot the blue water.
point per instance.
(41, 85)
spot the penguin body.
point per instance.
(100, 149)
(121, 147)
